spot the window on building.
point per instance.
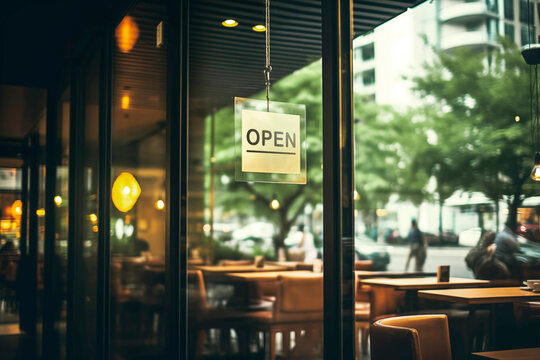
(492, 5)
(509, 10)
(509, 31)
(525, 35)
(492, 29)
(523, 13)
(368, 52)
(368, 77)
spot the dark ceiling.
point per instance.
(35, 36)
(226, 61)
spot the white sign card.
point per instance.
(270, 145)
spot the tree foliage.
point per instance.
(473, 99)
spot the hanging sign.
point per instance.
(270, 141)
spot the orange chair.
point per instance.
(298, 309)
(419, 337)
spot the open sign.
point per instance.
(270, 142)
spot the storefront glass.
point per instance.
(138, 175)
(254, 249)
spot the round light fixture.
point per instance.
(259, 28)
(229, 23)
(517, 118)
(274, 204)
(16, 209)
(125, 192)
(160, 204)
(58, 200)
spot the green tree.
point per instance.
(388, 146)
(473, 99)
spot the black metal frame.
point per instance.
(338, 180)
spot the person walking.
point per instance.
(417, 247)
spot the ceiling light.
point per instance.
(259, 28)
(229, 23)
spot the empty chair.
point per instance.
(298, 309)
(418, 337)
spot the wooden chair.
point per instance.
(362, 316)
(298, 309)
(235, 262)
(420, 337)
(202, 318)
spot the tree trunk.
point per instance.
(511, 220)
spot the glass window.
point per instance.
(368, 52)
(86, 287)
(61, 201)
(240, 231)
(426, 190)
(509, 31)
(524, 13)
(138, 175)
(509, 10)
(368, 77)
(525, 35)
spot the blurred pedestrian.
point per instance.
(506, 246)
(417, 247)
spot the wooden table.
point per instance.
(423, 283)
(491, 296)
(220, 270)
(495, 295)
(365, 274)
(517, 354)
(412, 285)
(271, 275)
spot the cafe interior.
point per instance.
(123, 194)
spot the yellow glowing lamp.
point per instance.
(160, 204)
(125, 192)
(58, 200)
(259, 28)
(125, 102)
(16, 209)
(40, 212)
(229, 23)
(274, 204)
(127, 33)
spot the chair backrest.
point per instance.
(196, 290)
(422, 337)
(299, 298)
(363, 265)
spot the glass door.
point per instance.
(254, 269)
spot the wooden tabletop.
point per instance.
(423, 283)
(215, 269)
(365, 274)
(518, 354)
(271, 275)
(480, 295)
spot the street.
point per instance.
(436, 255)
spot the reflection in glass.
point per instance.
(138, 173)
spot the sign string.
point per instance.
(267, 68)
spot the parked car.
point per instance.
(366, 249)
